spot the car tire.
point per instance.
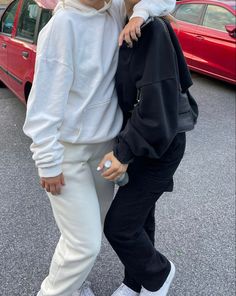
(2, 85)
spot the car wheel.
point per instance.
(27, 90)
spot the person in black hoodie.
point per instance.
(150, 77)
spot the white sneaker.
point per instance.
(164, 289)
(85, 290)
(123, 290)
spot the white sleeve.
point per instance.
(146, 8)
(48, 98)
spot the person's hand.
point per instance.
(53, 184)
(115, 171)
(131, 32)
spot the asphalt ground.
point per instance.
(195, 223)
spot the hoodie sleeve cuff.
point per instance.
(138, 12)
(122, 151)
(52, 171)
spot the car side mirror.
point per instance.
(231, 29)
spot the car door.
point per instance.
(22, 48)
(6, 30)
(216, 48)
(188, 19)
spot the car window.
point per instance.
(217, 17)
(190, 13)
(2, 10)
(45, 17)
(27, 20)
(8, 17)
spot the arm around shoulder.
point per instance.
(146, 8)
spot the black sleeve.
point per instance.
(154, 121)
(152, 126)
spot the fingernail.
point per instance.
(98, 169)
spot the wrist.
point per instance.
(48, 172)
(123, 152)
(142, 13)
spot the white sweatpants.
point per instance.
(79, 212)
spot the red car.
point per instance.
(206, 30)
(19, 28)
(207, 33)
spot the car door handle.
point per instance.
(4, 45)
(25, 54)
(200, 37)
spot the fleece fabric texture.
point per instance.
(73, 97)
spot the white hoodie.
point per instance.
(73, 97)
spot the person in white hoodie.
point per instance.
(72, 118)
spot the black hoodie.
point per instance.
(148, 73)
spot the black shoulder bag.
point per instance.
(188, 108)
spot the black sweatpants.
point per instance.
(150, 230)
(130, 222)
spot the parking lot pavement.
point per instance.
(195, 223)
